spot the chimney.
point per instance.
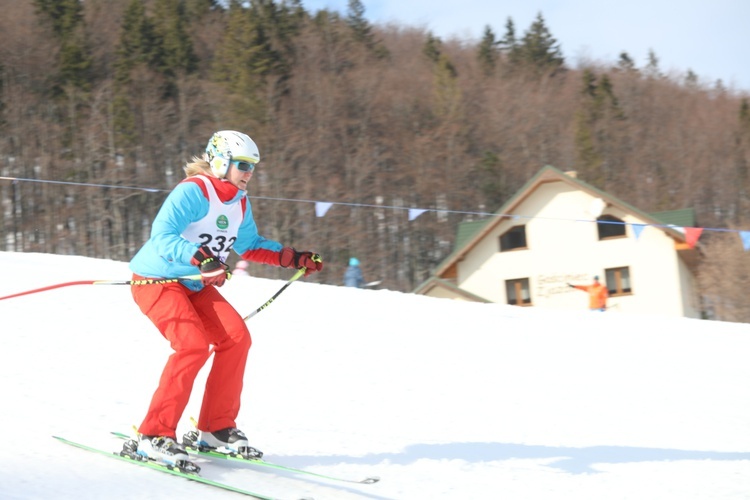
(572, 173)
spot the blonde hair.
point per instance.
(198, 166)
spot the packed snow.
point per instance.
(441, 399)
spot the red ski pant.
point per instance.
(192, 321)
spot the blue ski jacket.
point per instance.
(167, 253)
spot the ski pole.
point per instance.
(294, 278)
(297, 275)
(145, 281)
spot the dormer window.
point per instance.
(610, 227)
(514, 238)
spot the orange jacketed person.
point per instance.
(597, 294)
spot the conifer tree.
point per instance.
(432, 48)
(65, 17)
(652, 66)
(72, 81)
(509, 43)
(355, 19)
(488, 52)
(75, 61)
(447, 91)
(491, 178)
(138, 43)
(588, 158)
(599, 110)
(170, 26)
(137, 46)
(197, 9)
(607, 99)
(247, 59)
(362, 29)
(625, 62)
(445, 76)
(539, 49)
(691, 79)
(278, 25)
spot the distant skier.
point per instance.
(240, 269)
(353, 274)
(597, 294)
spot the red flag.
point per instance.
(692, 234)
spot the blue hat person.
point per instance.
(353, 274)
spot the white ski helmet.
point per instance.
(226, 146)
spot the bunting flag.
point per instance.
(415, 212)
(745, 237)
(637, 230)
(692, 234)
(321, 207)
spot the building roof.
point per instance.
(682, 218)
(434, 282)
(466, 230)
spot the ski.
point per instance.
(262, 463)
(169, 470)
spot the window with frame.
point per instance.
(618, 281)
(513, 239)
(518, 292)
(610, 226)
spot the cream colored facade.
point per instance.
(563, 246)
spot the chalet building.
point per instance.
(557, 230)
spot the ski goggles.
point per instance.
(243, 166)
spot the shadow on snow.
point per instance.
(570, 460)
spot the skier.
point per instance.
(597, 294)
(353, 274)
(203, 218)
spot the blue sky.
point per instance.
(711, 38)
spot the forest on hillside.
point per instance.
(103, 96)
